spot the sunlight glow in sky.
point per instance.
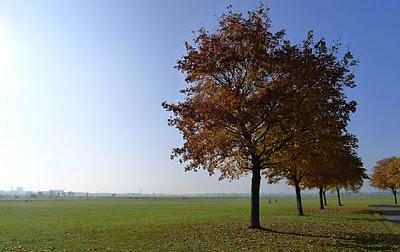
(81, 86)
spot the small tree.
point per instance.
(334, 163)
(352, 175)
(386, 175)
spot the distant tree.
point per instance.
(352, 175)
(302, 167)
(322, 166)
(386, 175)
(335, 164)
(321, 172)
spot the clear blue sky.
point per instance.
(81, 83)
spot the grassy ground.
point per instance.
(193, 224)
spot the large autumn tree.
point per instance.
(386, 175)
(240, 106)
(230, 118)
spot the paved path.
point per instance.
(390, 212)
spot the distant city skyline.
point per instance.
(81, 86)
(21, 193)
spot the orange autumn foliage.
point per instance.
(386, 175)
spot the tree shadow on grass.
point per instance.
(354, 229)
(379, 242)
(388, 210)
(368, 241)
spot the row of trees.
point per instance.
(386, 175)
(258, 104)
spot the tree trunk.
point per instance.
(338, 197)
(321, 200)
(395, 196)
(255, 197)
(298, 198)
(324, 198)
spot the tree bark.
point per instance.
(321, 200)
(255, 196)
(338, 197)
(324, 198)
(395, 196)
(298, 198)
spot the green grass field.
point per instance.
(193, 224)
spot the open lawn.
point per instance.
(194, 224)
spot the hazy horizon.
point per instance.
(81, 86)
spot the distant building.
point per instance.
(56, 193)
(41, 193)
